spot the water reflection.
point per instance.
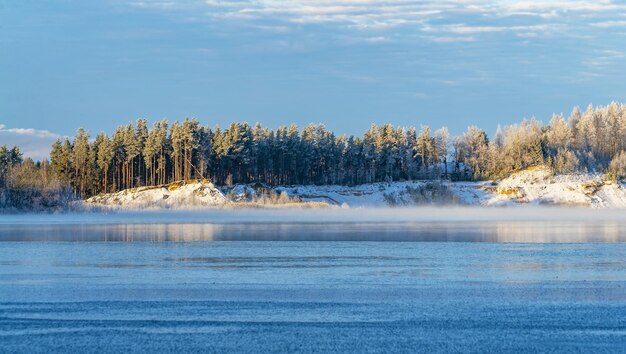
(484, 231)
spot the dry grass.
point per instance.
(513, 192)
(591, 188)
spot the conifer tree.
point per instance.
(105, 157)
(80, 158)
(135, 155)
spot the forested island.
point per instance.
(136, 155)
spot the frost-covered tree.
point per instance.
(473, 153)
(558, 134)
(425, 149)
(522, 146)
(441, 141)
(565, 161)
(617, 167)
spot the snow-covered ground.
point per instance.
(177, 196)
(540, 186)
(534, 186)
(409, 193)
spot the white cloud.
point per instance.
(609, 24)
(605, 58)
(531, 18)
(539, 7)
(33, 143)
(377, 39)
(451, 39)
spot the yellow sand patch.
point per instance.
(173, 186)
(513, 192)
(591, 188)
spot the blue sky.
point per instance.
(66, 64)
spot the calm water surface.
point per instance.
(192, 283)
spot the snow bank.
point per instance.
(540, 187)
(534, 186)
(376, 194)
(196, 194)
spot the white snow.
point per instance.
(539, 186)
(366, 195)
(177, 196)
(534, 186)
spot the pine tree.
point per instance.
(80, 158)
(205, 147)
(93, 171)
(60, 161)
(141, 134)
(150, 153)
(177, 151)
(119, 159)
(132, 150)
(164, 146)
(106, 153)
(135, 155)
(5, 163)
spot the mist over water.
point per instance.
(540, 224)
(341, 215)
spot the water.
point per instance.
(237, 281)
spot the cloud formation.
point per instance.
(33, 143)
(348, 62)
(461, 17)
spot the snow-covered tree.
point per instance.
(442, 137)
(617, 167)
(565, 161)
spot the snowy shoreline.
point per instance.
(535, 186)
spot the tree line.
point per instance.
(136, 155)
(29, 185)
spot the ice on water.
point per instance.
(235, 281)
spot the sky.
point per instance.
(66, 64)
